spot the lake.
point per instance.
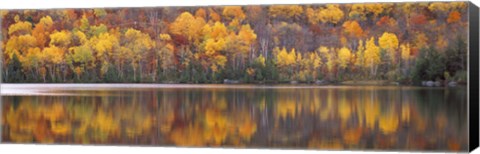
(250, 116)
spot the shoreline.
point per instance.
(29, 89)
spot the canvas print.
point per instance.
(352, 76)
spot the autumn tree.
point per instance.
(372, 56)
(389, 42)
(137, 44)
(285, 11)
(188, 26)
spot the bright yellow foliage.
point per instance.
(187, 25)
(359, 54)
(104, 44)
(82, 54)
(53, 54)
(21, 28)
(285, 11)
(247, 34)
(212, 46)
(32, 58)
(165, 37)
(344, 57)
(357, 11)
(218, 31)
(19, 45)
(375, 8)
(260, 60)
(372, 53)
(220, 60)
(80, 37)
(61, 39)
(405, 48)
(389, 42)
(285, 58)
(138, 41)
(332, 14)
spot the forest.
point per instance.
(401, 42)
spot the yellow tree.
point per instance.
(214, 37)
(19, 45)
(372, 56)
(138, 44)
(357, 11)
(406, 54)
(375, 9)
(31, 60)
(359, 59)
(84, 56)
(239, 46)
(60, 39)
(247, 37)
(329, 59)
(286, 61)
(331, 14)
(187, 26)
(389, 42)
(104, 46)
(20, 28)
(344, 57)
(167, 56)
(52, 57)
(285, 11)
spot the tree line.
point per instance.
(403, 42)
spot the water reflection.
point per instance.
(387, 118)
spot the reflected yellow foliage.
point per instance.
(372, 112)
(105, 123)
(406, 112)
(190, 136)
(388, 123)
(344, 110)
(286, 108)
(347, 119)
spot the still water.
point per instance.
(298, 117)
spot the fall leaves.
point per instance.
(208, 44)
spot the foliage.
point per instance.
(276, 43)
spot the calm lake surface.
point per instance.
(298, 117)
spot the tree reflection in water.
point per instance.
(386, 118)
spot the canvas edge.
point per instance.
(1, 79)
(473, 77)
